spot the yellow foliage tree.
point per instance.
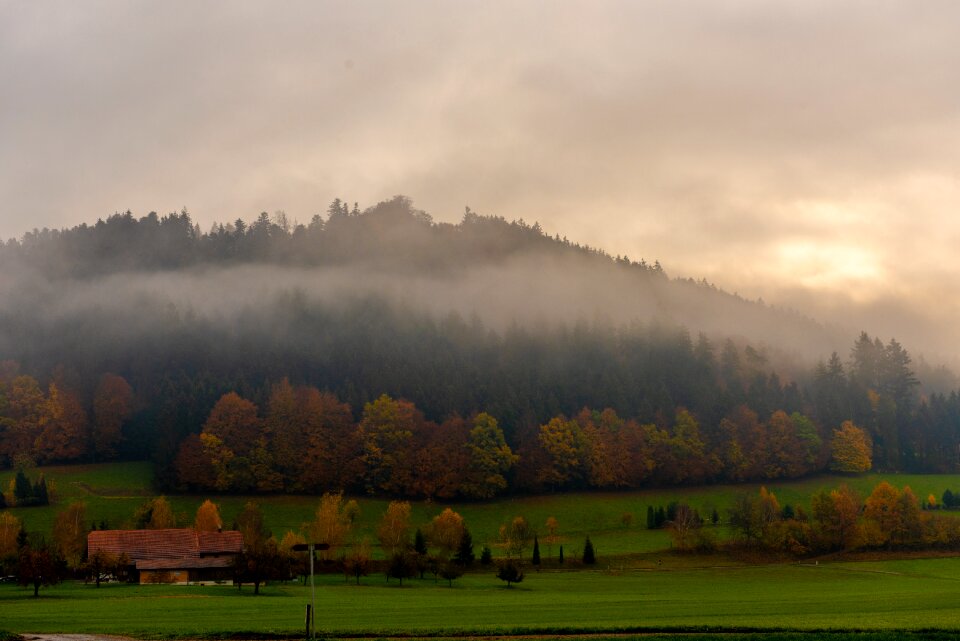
(330, 524)
(208, 518)
(446, 530)
(9, 529)
(394, 528)
(851, 449)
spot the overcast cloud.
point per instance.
(806, 152)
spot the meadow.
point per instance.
(905, 594)
(112, 492)
(638, 585)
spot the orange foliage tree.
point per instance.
(851, 449)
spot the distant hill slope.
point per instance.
(501, 272)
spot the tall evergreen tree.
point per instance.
(589, 556)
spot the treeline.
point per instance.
(392, 233)
(59, 424)
(306, 441)
(657, 377)
(837, 520)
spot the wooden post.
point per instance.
(308, 620)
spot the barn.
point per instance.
(171, 555)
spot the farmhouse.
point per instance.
(171, 556)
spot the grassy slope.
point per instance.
(113, 491)
(912, 594)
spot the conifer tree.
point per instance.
(536, 553)
(651, 518)
(486, 556)
(589, 556)
(464, 555)
(560, 558)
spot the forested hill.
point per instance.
(123, 336)
(501, 272)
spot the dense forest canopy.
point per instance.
(124, 337)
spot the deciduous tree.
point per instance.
(851, 449)
(208, 517)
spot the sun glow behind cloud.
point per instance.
(803, 151)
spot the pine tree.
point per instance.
(536, 553)
(651, 518)
(560, 558)
(486, 556)
(420, 543)
(660, 518)
(22, 490)
(589, 556)
(40, 494)
(464, 555)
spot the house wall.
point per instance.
(164, 576)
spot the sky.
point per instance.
(804, 152)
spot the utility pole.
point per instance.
(312, 548)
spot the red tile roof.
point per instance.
(182, 546)
(185, 564)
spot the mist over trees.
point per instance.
(227, 355)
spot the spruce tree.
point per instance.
(661, 517)
(948, 499)
(464, 555)
(486, 556)
(589, 556)
(536, 553)
(651, 518)
(560, 558)
(419, 543)
(22, 490)
(420, 547)
(40, 492)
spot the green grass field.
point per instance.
(915, 594)
(625, 593)
(113, 491)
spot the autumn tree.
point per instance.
(37, 566)
(98, 564)
(836, 514)
(155, 514)
(884, 514)
(851, 449)
(333, 455)
(194, 465)
(356, 562)
(9, 530)
(233, 438)
(112, 406)
(516, 536)
(446, 532)
(63, 427)
(386, 435)
(25, 407)
(394, 529)
(490, 458)
(330, 525)
(564, 444)
(70, 534)
(208, 517)
(683, 527)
